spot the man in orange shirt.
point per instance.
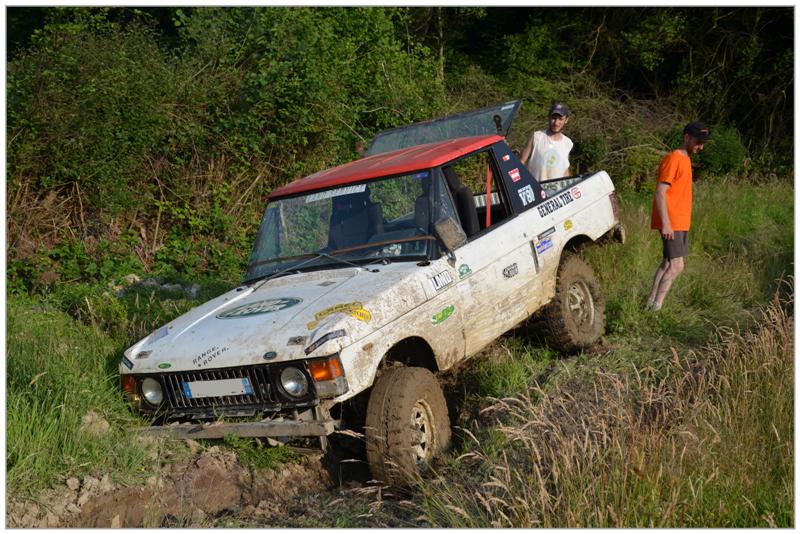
(672, 210)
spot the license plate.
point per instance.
(217, 388)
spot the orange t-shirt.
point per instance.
(675, 170)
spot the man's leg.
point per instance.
(656, 281)
(673, 269)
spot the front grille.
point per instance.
(263, 390)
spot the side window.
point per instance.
(480, 200)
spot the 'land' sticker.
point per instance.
(349, 190)
(514, 174)
(555, 203)
(354, 309)
(543, 245)
(443, 315)
(262, 306)
(441, 280)
(464, 271)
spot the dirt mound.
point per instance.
(190, 493)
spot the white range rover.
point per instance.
(368, 280)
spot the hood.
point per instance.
(298, 316)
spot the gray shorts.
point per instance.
(677, 247)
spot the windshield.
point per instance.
(490, 120)
(387, 218)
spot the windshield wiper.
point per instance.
(306, 263)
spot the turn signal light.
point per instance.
(129, 384)
(328, 369)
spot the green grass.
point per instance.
(57, 372)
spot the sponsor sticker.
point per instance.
(526, 195)
(441, 280)
(514, 174)
(543, 245)
(327, 337)
(464, 271)
(543, 193)
(349, 190)
(549, 231)
(164, 365)
(353, 309)
(127, 363)
(576, 192)
(511, 271)
(556, 203)
(506, 157)
(208, 356)
(262, 306)
(568, 224)
(443, 315)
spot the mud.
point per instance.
(189, 493)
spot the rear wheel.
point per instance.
(407, 423)
(575, 318)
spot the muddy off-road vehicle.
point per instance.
(368, 280)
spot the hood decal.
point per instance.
(354, 309)
(258, 307)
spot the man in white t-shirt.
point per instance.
(547, 153)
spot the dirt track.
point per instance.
(190, 493)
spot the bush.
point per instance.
(725, 154)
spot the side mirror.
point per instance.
(450, 232)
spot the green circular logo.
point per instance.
(261, 306)
(164, 365)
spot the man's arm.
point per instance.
(661, 206)
(526, 154)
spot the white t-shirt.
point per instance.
(549, 159)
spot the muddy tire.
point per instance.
(575, 318)
(407, 423)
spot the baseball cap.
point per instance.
(698, 130)
(559, 109)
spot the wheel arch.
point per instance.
(413, 351)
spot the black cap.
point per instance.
(698, 130)
(559, 108)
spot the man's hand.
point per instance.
(666, 230)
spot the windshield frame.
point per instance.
(310, 263)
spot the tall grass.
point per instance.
(740, 243)
(58, 371)
(708, 444)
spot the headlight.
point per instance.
(294, 382)
(151, 389)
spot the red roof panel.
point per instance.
(401, 161)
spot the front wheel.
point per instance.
(575, 318)
(407, 423)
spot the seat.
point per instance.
(354, 219)
(464, 200)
